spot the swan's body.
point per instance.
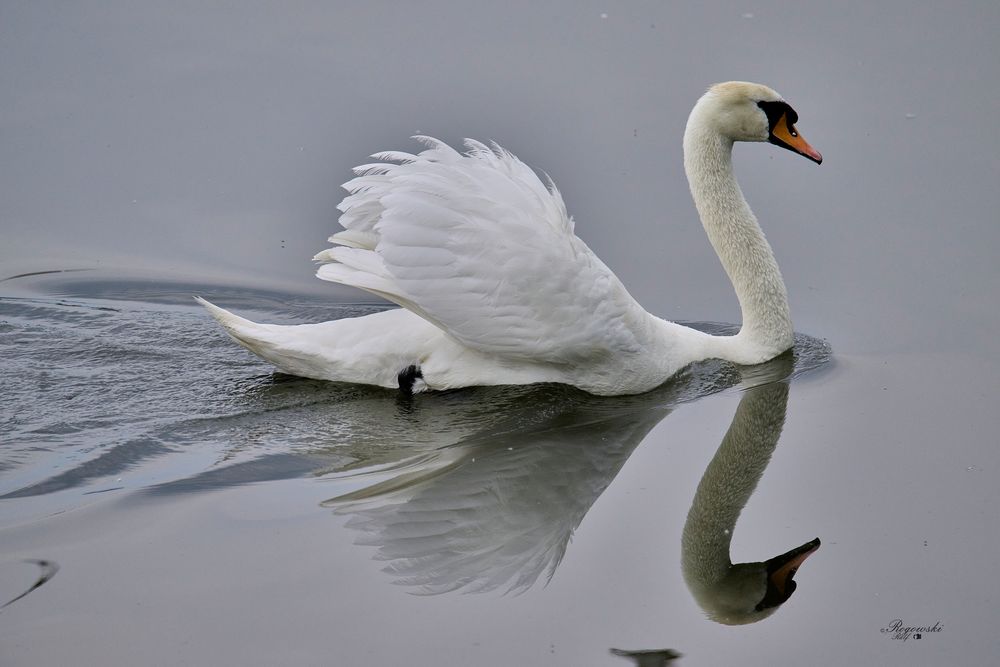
(497, 289)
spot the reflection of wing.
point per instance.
(496, 512)
(443, 235)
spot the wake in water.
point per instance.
(101, 392)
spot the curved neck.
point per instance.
(727, 484)
(739, 243)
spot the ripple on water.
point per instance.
(101, 387)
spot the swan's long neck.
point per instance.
(739, 242)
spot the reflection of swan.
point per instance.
(497, 289)
(744, 592)
(497, 510)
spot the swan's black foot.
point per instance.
(407, 378)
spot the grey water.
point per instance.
(167, 498)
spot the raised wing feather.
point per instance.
(476, 244)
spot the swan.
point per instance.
(496, 288)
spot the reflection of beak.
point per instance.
(780, 571)
(785, 135)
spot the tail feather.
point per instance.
(249, 334)
(272, 342)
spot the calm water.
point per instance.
(203, 509)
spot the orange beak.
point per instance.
(785, 135)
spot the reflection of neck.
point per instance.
(728, 482)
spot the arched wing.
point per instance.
(476, 244)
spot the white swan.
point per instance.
(497, 289)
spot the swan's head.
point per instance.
(750, 592)
(744, 111)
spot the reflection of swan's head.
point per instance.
(742, 111)
(750, 592)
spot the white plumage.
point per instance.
(476, 245)
(495, 286)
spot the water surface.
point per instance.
(203, 509)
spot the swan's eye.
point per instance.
(775, 110)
